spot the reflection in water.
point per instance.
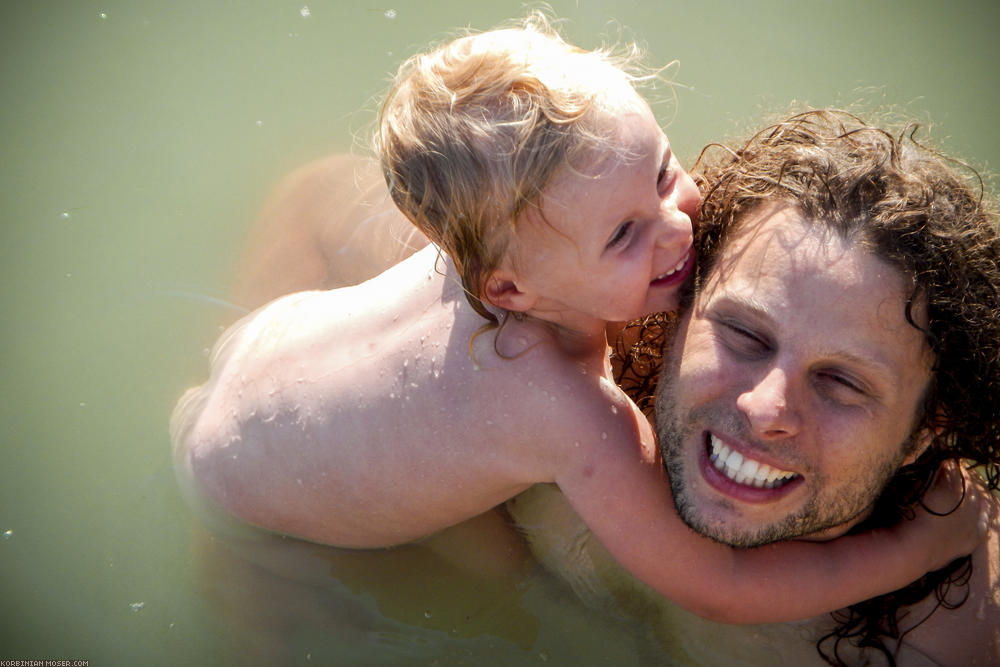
(443, 601)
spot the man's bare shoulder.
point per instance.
(970, 633)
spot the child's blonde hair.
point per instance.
(471, 133)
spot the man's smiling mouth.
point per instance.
(743, 470)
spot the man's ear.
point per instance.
(922, 439)
(502, 291)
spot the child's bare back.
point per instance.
(343, 380)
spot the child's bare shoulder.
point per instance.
(568, 402)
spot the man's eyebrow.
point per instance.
(735, 301)
(758, 312)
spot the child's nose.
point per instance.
(688, 197)
(675, 225)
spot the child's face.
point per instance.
(615, 243)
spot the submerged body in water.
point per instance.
(556, 535)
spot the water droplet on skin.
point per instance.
(604, 436)
(614, 409)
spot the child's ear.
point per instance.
(501, 290)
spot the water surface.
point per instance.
(141, 138)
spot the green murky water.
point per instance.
(140, 139)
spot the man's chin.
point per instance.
(745, 535)
(719, 532)
(697, 515)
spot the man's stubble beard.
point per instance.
(812, 517)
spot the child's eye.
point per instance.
(662, 176)
(620, 234)
(665, 179)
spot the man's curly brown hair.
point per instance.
(924, 214)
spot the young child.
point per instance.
(378, 414)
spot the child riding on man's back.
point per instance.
(378, 414)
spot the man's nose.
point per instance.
(766, 406)
(675, 226)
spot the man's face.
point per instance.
(792, 388)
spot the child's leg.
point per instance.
(329, 224)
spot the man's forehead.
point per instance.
(787, 275)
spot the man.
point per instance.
(843, 341)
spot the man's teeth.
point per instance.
(742, 470)
(680, 265)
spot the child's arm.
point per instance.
(626, 501)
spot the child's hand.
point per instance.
(964, 523)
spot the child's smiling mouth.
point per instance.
(676, 274)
